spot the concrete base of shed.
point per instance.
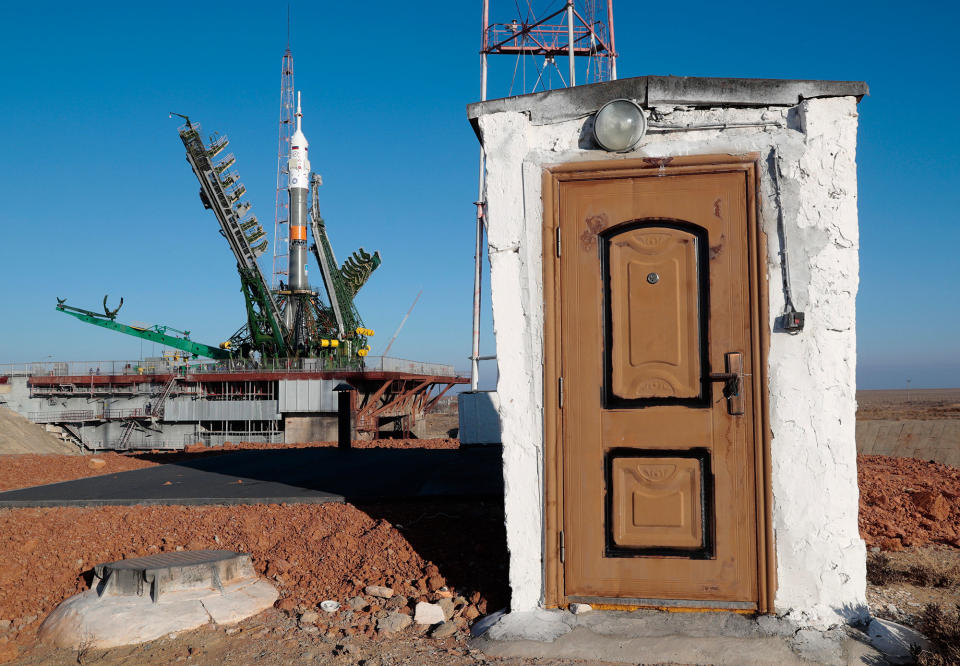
(653, 637)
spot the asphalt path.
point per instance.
(305, 476)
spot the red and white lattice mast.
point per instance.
(281, 231)
(576, 30)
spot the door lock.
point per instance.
(733, 382)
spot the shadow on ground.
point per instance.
(466, 539)
(285, 475)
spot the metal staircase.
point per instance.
(157, 407)
(221, 191)
(77, 434)
(128, 427)
(156, 411)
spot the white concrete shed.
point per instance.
(675, 434)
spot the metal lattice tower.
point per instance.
(281, 233)
(577, 31)
(568, 29)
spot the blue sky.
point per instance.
(97, 197)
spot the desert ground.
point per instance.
(424, 550)
(902, 404)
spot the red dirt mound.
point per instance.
(311, 553)
(24, 470)
(21, 471)
(908, 502)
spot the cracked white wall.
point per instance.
(820, 557)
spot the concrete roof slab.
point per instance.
(568, 103)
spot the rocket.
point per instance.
(298, 169)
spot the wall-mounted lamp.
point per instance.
(619, 125)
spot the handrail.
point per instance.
(89, 371)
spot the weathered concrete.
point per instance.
(553, 106)
(163, 573)
(895, 640)
(652, 637)
(104, 622)
(937, 440)
(310, 428)
(479, 417)
(807, 175)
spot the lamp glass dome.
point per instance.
(619, 125)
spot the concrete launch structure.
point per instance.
(161, 404)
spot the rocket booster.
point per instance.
(298, 169)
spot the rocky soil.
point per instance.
(447, 562)
(274, 637)
(23, 470)
(906, 502)
(312, 553)
(20, 471)
(902, 583)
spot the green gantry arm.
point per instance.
(152, 334)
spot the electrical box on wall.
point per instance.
(791, 322)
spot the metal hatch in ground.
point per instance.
(659, 465)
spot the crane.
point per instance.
(402, 322)
(156, 333)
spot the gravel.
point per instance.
(392, 623)
(310, 552)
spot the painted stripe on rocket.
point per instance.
(298, 233)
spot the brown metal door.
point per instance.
(656, 354)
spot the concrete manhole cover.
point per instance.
(185, 570)
(144, 598)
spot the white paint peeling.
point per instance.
(820, 556)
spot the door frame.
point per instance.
(553, 176)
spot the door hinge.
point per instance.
(560, 392)
(558, 241)
(563, 548)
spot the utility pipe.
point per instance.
(573, 64)
(478, 247)
(613, 46)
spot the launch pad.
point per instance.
(277, 377)
(126, 405)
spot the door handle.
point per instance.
(733, 382)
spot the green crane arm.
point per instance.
(152, 333)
